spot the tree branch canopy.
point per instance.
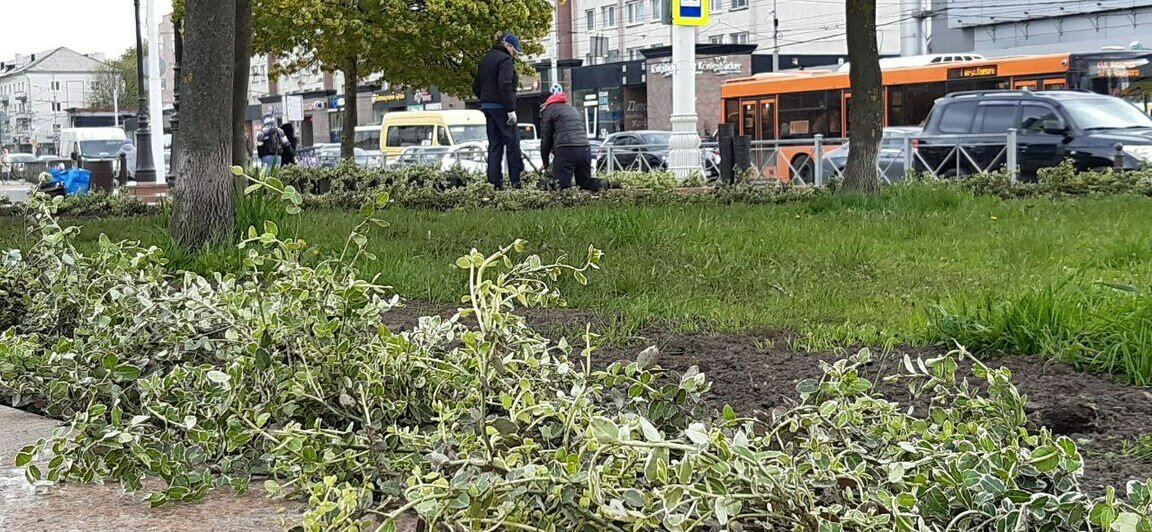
(417, 42)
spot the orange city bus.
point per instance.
(802, 104)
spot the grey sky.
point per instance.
(86, 26)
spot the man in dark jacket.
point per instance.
(563, 136)
(495, 86)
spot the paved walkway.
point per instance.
(74, 507)
(15, 191)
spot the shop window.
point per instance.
(608, 16)
(657, 8)
(635, 11)
(405, 136)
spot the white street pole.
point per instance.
(116, 103)
(155, 98)
(553, 72)
(775, 38)
(684, 146)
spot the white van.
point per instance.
(91, 142)
(368, 139)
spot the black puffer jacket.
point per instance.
(495, 80)
(561, 126)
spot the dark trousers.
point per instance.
(503, 138)
(574, 161)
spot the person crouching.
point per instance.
(563, 138)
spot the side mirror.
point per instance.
(75, 156)
(1054, 127)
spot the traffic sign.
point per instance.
(557, 89)
(690, 12)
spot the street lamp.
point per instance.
(145, 166)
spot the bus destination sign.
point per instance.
(984, 71)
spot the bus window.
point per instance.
(918, 101)
(895, 106)
(748, 122)
(804, 114)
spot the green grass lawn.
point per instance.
(837, 268)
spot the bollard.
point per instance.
(818, 161)
(1012, 147)
(101, 175)
(726, 136)
(1118, 159)
(742, 156)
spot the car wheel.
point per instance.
(802, 168)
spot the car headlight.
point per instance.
(1140, 153)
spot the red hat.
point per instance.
(559, 97)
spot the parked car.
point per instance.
(891, 156)
(1093, 130)
(328, 156)
(473, 157)
(419, 156)
(368, 139)
(645, 151)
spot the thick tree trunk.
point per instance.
(204, 210)
(866, 117)
(351, 109)
(241, 65)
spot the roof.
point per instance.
(56, 60)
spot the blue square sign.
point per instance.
(690, 12)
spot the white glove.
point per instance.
(512, 118)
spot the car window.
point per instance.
(1033, 117)
(995, 118)
(442, 137)
(404, 136)
(957, 117)
(624, 140)
(892, 143)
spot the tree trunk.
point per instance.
(351, 109)
(866, 116)
(242, 64)
(204, 210)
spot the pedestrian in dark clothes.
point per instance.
(495, 85)
(289, 154)
(562, 135)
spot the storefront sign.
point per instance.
(390, 97)
(690, 12)
(972, 72)
(294, 108)
(603, 98)
(718, 66)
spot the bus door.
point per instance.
(1025, 84)
(765, 155)
(845, 112)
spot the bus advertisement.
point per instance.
(802, 104)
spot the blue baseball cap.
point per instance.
(513, 41)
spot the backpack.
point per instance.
(273, 143)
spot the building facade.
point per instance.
(36, 92)
(998, 29)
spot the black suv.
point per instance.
(1090, 129)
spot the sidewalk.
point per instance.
(106, 508)
(15, 190)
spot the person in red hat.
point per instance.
(562, 136)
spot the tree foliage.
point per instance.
(413, 42)
(116, 79)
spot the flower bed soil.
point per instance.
(756, 372)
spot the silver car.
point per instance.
(890, 159)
